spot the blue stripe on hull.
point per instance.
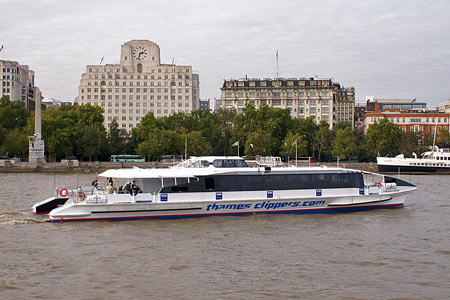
(305, 211)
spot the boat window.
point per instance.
(209, 183)
(241, 164)
(205, 163)
(169, 181)
(218, 163)
(288, 181)
(179, 188)
(227, 163)
(271, 182)
(182, 181)
(149, 185)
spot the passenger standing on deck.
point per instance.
(109, 189)
(80, 194)
(134, 188)
(127, 187)
(95, 182)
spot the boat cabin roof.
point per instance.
(212, 162)
(197, 172)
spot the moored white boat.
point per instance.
(207, 186)
(429, 162)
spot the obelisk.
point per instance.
(36, 144)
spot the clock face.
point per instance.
(140, 53)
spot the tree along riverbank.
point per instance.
(79, 132)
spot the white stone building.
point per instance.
(140, 84)
(444, 106)
(322, 99)
(17, 82)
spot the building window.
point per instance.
(276, 102)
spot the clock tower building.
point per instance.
(139, 85)
(140, 52)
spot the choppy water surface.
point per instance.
(384, 254)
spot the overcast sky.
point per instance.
(387, 49)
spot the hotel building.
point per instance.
(322, 99)
(140, 84)
(17, 82)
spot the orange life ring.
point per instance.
(64, 192)
(378, 184)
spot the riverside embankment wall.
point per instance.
(98, 167)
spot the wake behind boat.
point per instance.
(205, 186)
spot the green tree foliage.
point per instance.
(209, 125)
(197, 144)
(348, 142)
(143, 131)
(79, 131)
(383, 138)
(275, 122)
(342, 125)
(13, 121)
(13, 114)
(443, 136)
(226, 125)
(307, 129)
(74, 131)
(260, 142)
(323, 141)
(90, 141)
(3, 134)
(291, 142)
(59, 143)
(412, 142)
(161, 142)
(15, 143)
(115, 139)
(202, 128)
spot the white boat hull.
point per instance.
(432, 162)
(133, 211)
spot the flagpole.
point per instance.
(277, 64)
(238, 148)
(296, 154)
(185, 148)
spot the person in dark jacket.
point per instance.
(134, 188)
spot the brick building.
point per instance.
(423, 122)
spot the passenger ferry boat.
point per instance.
(205, 186)
(430, 161)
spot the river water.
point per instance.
(383, 254)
